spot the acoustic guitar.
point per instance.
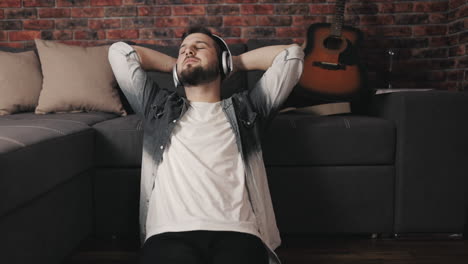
(332, 71)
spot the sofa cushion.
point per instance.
(119, 142)
(306, 140)
(20, 81)
(76, 79)
(37, 155)
(88, 118)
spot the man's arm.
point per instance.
(154, 60)
(258, 59)
(126, 63)
(283, 65)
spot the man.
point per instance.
(204, 192)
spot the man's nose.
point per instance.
(189, 52)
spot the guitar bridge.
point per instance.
(329, 65)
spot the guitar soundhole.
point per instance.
(332, 43)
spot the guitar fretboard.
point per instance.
(339, 17)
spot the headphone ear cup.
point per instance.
(225, 62)
(175, 76)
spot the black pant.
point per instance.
(204, 247)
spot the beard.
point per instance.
(194, 75)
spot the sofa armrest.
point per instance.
(431, 160)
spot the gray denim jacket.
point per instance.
(249, 114)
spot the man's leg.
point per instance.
(170, 248)
(239, 248)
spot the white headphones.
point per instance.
(226, 61)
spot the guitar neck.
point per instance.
(339, 18)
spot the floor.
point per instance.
(300, 249)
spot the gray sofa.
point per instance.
(399, 166)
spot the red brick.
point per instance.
(120, 11)
(154, 11)
(291, 32)
(257, 9)
(205, 1)
(1, 14)
(171, 22)
(188, 10)
(71, 23)
(274, 20)
(172, 2)
(88, 12)
(462, 12)
(227, 32)
(11, 25)
(213, 21)
(239, 21)
(160, 33)
(23, 35)
(396, 31)
(104, 23)
(319, 9)
(38, 24)
(39, 3)
(54, 12)
(306, 1)
(56, 34)
(235, 41)
(462, 37)
(223, 10)
(307, 20)
(258, 32)
(18, 45)
(456, 3)
(292, 9)
(395, 8)
(138, 2)
(240, 1)
(430, 6)
(439, 41)
(138, 22)
(430, 30)
(457, 51)
(279, 1)
(90, 34)
(430, 53)
(3, 36)
(362, 8)
(20, 13)
(377, 20)
(106, 2)
(122, 34)
(72, 3)
(178, 32)
(438, 18)
(10, 3)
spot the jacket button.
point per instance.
(174, 120)
(248, 123)
(161, 147)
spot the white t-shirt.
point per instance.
(200, 183)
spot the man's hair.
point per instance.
(204, 30)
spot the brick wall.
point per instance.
(430, 36)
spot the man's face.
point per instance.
(198, 60)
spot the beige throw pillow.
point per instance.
(20, 82)
(76, 79)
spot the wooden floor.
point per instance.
(296, 249)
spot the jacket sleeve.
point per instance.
(132, 79)
(274, 87)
